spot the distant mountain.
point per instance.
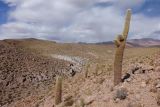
(144, 42)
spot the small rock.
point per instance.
(100, 80)
(134, 69)
(158, 86)
(143, 84)
(153, 89)
(69, 102)
(157, 69)
(131, 92)
(105, 99)
(67, 97)
(150, 68)
(137, 97)
(89, 100)
(148, 80)
(142, 71)
(116, 100)
(155, 83)
(134, 104)
(66, 103)
(111, 88)
(126, 76)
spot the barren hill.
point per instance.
(28, 68)
(23, 72)
(145, 42)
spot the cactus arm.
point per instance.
(120, 44)
(127, 24)
(117, 43)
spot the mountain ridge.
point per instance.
(144, 42)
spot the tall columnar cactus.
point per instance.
(120, 43)
(58, 91)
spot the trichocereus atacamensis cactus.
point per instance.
(120, 43)
(58, 91)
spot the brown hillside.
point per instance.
(23, 73)
(28, 68)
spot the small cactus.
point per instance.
(87, 70)
(97, 69)
(158, 99)
(80, 103)
(58, 91)
(120, 43)
(102, 68)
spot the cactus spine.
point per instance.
(58, 91)
(120, 43)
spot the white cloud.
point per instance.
(74, 20)
(125, 4)
(143, 27)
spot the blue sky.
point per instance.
(151, 8)
(4, 8)
(78, 20)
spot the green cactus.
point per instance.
(120, 43)
(87, 70)
(96, 69)
(58, 91)
(80, 103)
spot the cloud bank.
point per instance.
(76, 20)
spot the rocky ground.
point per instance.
(23, 74)
(141, 89)
(27, 78)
